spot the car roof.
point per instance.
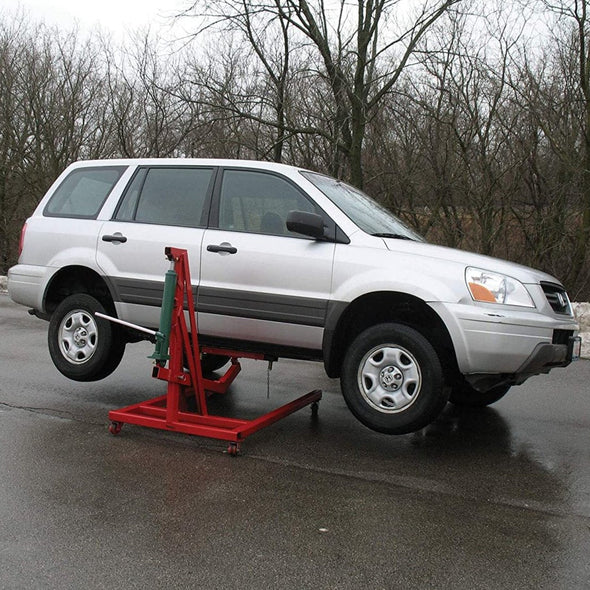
(225, 162)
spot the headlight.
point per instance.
(491, 287)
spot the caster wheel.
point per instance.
(115, 428)
(233, 449)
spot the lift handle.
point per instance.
(126, 324)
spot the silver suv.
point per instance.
(289, 263)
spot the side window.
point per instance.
(259, 202)
(83, 192)
(166, 196)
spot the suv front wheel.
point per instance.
(82, 346)
(392, 379)
(464, 394)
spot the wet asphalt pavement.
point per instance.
(496, 498)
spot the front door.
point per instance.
(260, 282)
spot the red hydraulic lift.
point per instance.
(177, 345)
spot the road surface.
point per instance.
(497, 498)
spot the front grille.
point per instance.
(557, 298)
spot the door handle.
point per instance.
(116, 237)
(224, 247)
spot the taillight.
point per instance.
(22, 239)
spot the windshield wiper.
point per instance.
(395, 236)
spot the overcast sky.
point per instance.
(117, 16)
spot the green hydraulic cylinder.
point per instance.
(163, 334)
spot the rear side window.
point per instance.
(167, 196)
(83, 192)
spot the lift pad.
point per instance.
(177, 358)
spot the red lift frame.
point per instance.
(170, 411)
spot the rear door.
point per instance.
(260, 282)
(162, 206)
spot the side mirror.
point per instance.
(308, 224)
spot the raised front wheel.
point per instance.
(392, 379)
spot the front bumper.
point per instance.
(547, 356)
(492, 340)
(544, 358)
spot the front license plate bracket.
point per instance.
(574, 348)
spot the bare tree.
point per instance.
(149, 119)
(361, 56)
(555, 91)
(51, 108)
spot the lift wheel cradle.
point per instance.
(177, 360)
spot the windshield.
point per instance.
(361, 209)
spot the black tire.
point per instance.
(212, 362)
(392, 379)
(465, 395)
(82, 346)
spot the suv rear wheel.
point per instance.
(212, 362)
(82, 346)
(392, 379)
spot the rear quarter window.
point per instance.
(83, 192)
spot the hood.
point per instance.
(522, 273)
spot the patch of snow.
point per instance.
(582, 311)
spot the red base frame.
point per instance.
(170, 412)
